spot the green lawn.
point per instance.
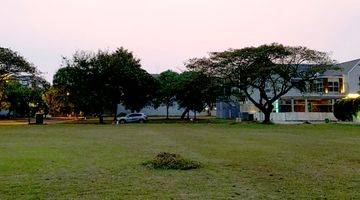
(240, 161)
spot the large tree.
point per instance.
(166, 92)
(124, 79)
(74, 80)
(195, 90)
(265, 73)
(19, 98)
(13, 65)
(97, 82)
(57, 101)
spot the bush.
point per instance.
(345, 109)
(166, 160)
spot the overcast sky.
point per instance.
(165, 33)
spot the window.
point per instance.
(319, 86)
(299, 105)
(321, 105)
(333, 86)
(285, 105)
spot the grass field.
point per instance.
(240, 161)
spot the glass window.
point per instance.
(285, 105)
(321, 105)
(285, 108)
(299, 105)
(333, 86)
(319, 86)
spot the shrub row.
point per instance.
(346, 109)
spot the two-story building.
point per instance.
(317, 103)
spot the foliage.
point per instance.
(98, 82)
(21, 99)
(265, 73)
(166, 160)
(14, 95)
(195, 90)
(76, 80)
(166, 93)
(139, 90)
(13, 65)
(346, 109)
(58, 102)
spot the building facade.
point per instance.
(317, 103)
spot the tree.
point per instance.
(74, 80)
(57, 101)
(18, 97)
(166, 92)
(140, 90)
(13, 65)
(195, 90)
(265, 73)
(124, 79)
(98, 82)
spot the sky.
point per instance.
(166, 33)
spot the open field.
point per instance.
(248, 161)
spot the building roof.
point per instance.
(347, 66)
(344, 68)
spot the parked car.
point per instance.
(132, 117)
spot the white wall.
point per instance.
(353, 79)
(296, 116)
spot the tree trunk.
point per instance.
(267, 114)
(101, 119)
(194, 115)
(167, 111)
(184, 113)
(267, 117)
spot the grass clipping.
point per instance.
(166, 160)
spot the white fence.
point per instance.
(297, 116)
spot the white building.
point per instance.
(318, 103)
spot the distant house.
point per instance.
(317, 103)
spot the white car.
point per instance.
(132, 117)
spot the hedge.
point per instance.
(346, 109)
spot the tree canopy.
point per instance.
(265, 73)
(20, 99)
(20, 84)
(195, 90)
(166, 92)
(97, 82)
(12, 65)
